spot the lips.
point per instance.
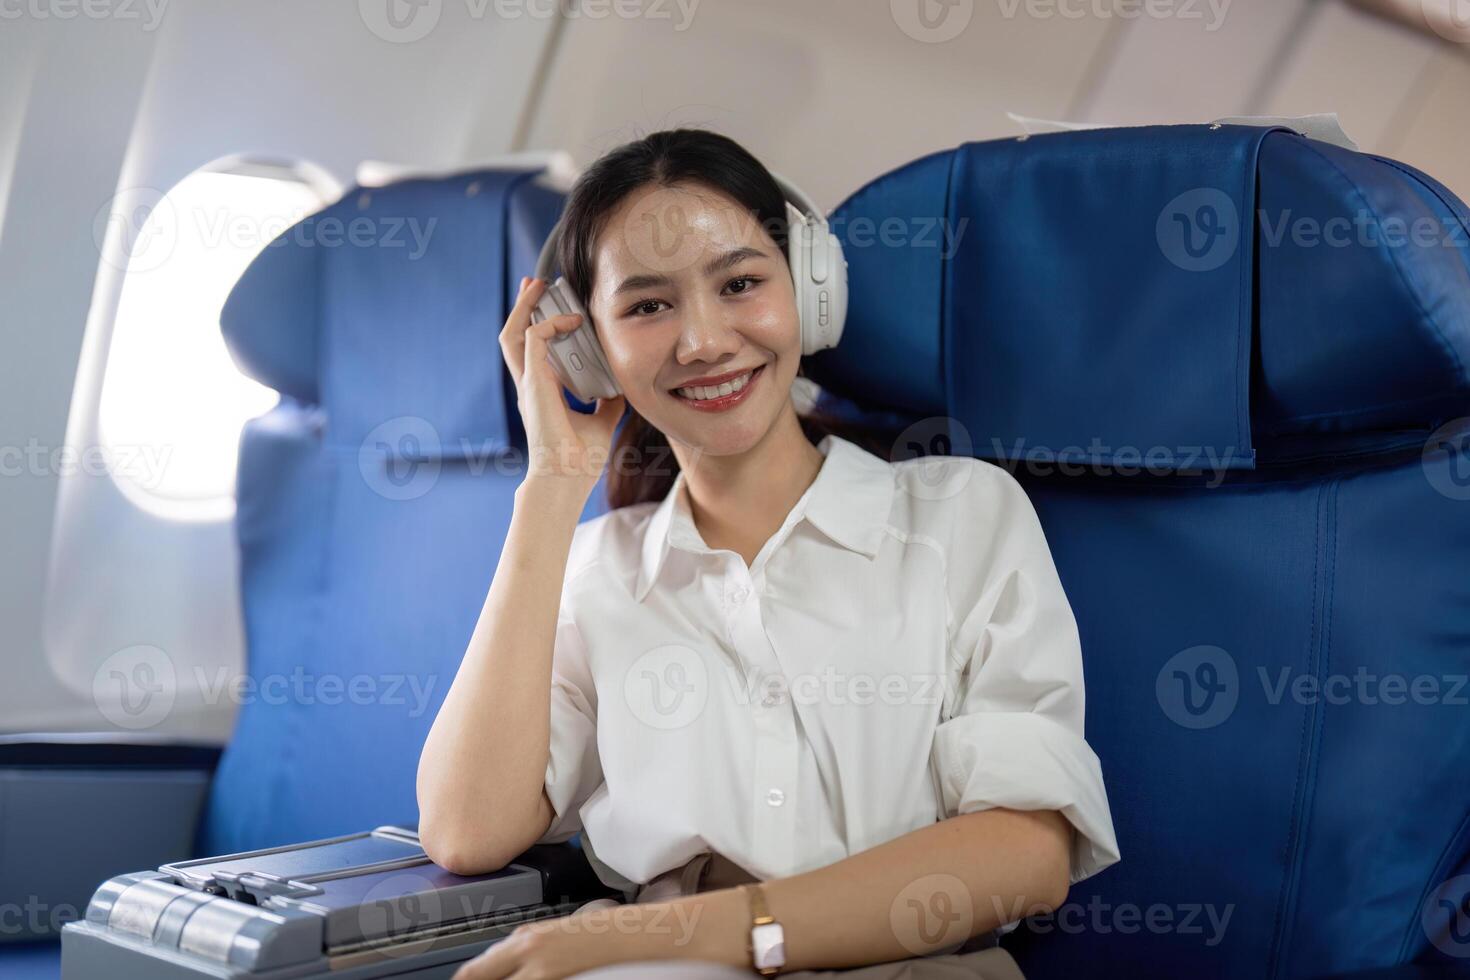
(731, 389)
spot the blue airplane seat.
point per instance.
(1229, 365)
(31, 961)
(373, 502)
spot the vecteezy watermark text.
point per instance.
(406, 21)
(143, 464)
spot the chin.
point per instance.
(724, 435)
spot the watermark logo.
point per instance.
(400, 21)
(1364, 687)
(1102, 918)
(1106, 459)
(413, 692)
(667, 687)
(136, 229)
(924, 231)
(835, 688)
(1446, 917)
(398, 907)
(1210, 13)
(145, 465)
(399, 459)
(35, 917)
(148, 12)
(931, 913)
(668, 230)
(1446, 459)
(1199, 230)
(135, 688)
(1198, 687)
(406, 21)
(1360, 229)
(931, 442)
(932, 21)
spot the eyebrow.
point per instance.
(733, 257)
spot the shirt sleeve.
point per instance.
(1011, 728)
(573, 768)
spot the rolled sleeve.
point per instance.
(1011, 731)
(573, 768)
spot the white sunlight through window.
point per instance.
(170, 387)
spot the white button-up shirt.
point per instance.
(899, 652)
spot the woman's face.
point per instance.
(691, 293)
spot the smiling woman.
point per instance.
(651, 215)
(677, 637)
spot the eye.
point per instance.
(750, 283)
(646, 307)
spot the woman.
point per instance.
(777, 672)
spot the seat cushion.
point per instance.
(30, 961)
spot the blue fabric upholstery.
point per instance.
(373, 502)
(1276, 653)
(31, 961)
(990, 279)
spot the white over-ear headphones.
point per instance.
(818, 271)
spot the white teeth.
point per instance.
(701, 393)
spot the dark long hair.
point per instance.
(642, 466)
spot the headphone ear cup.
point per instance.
(797, 257)
(836, 306)
(577, 356)
(821, 305)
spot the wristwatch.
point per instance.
(767, 939)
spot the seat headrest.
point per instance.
(388, 305)
(1179, 296)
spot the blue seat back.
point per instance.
(1229, 365)
(373, 502)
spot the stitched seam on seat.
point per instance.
(1458, 211)
(1447, 857)
(1245, 293)
(1313, 720)
(945, 329)
(1356, 412)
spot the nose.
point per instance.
(706, 334)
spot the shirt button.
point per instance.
(775, 797)
(739, 595)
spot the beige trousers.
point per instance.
(707, 872)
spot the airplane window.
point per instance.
(171, 393)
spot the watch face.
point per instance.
(769, 945)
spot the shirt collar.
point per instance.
(849, 502)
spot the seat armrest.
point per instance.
(321, 908)
(76, 810)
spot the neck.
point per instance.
(739, 501)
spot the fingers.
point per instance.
(496, 962)
(514, 338)
(538, 335)
(535, 368)
(512, 335)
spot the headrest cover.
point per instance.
(387, 306)
(1113, 296)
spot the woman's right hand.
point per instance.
(562, 442)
